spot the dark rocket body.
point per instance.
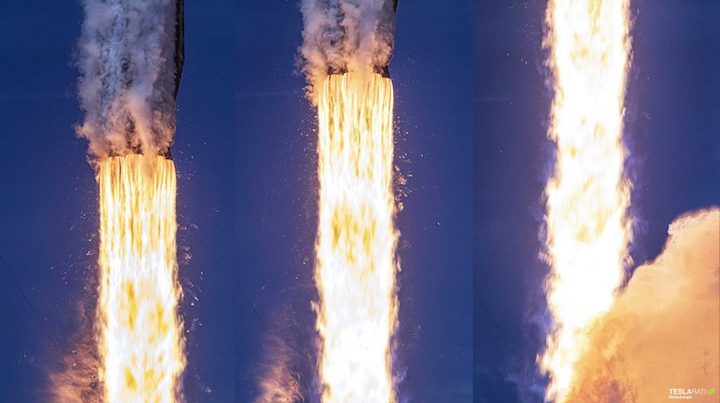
(179, 57)
(386, 26)
(166, 87)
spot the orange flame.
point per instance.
(355, 272)
(587, 198)
(141, 343)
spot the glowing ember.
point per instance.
(588, 197)
(355, 273)
(140, 336)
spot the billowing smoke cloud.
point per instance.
(662, 333)
(130, 60)
(346, 35)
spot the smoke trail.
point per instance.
(281, 367)
(346, 35)
(279, 381)
(76, 379)
(662, 332)
(130, 61)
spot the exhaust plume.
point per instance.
(588, 195)
(130, 60)
(346, 35)
(662, 331)
(355, 264)
(140, 337)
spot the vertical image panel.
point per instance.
(354, 194)
(114, 246)
(597, 246)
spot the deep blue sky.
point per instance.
(48, 213)
(276, 193)
(672, 126)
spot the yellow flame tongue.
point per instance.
(355, 272)
(587, 198)
(140, 333)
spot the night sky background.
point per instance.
(470, 85)
(672, 132)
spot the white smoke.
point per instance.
(127, 83)
(346, 35)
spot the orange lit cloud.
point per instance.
(663, 331)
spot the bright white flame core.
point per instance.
(141, 343)
(588, 197)
(355, 272)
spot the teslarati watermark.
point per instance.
(689, 393)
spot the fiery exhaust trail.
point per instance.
(355, 269)
(587, 198)
(140, 340)
(347, 46)
(131, 56)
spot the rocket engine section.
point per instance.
(131, 78)
(385, 38)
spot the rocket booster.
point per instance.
(386, 25)
(179, 57)
(163, 102)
